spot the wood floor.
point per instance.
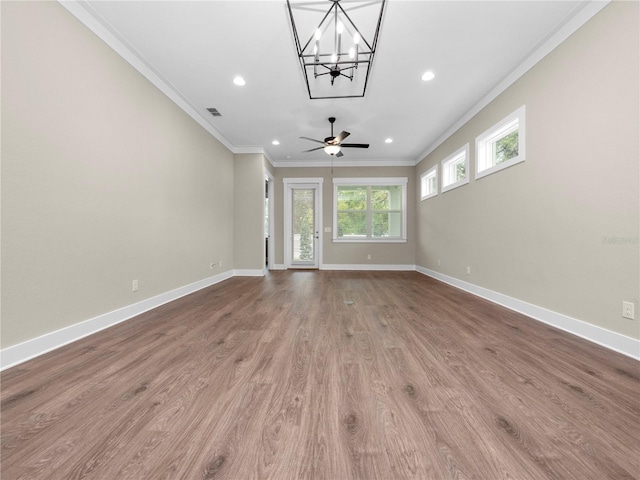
(283, 377)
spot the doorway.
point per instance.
(303, 222)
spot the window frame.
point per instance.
(454, 158)
(432, 172)
(494, 134)
(371, 182)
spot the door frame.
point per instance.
(289, 184)
(268, 177)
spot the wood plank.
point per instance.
(324, 375)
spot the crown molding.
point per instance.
(344, 163)
(584, 13)
(94, 22)
(250, 149)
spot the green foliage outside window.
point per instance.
(506, 148)
(303, 222)
(461, 171)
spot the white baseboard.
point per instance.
(245, 272)
(606, 338)
(367, 267)
(35, 347)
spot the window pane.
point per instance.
(387, 224)
(380, 198)
(431, 184)
(386, 197)
(352, 198)
(460, 170)
(303, 224)
(506, 148)
(352, 224)
(395, 197)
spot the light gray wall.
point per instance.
(561, 229)
(342, 253)
(104, 180)
(248, 204)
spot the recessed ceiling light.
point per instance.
(275, 142)
(389, 140)
(239, 81)
(428, 75)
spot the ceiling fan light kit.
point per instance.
(332, 149)
(333, 145)
(336, 50)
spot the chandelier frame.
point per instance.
(338, 63)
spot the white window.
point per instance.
(429, 183)
(455, 169)
(369, 209)
(502, 145)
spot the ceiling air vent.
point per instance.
(214, 112)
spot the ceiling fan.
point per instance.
(333, 145)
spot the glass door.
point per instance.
(302, 219)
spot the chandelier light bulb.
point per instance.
(352, 53)
(318, 34)
(340, 28)
(334, 58)
(356, 38)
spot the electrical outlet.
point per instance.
(468, 270)
(628, 310)
(219, 263)
(369, 257)
(134, 286)
(438, 262)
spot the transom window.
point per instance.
(429, 183)
(369, 209)
(502, 145)
(455, 169)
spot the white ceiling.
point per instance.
(195, 49)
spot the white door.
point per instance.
(303, 214)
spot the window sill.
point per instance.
(428, 196)
(500, 166)
(455, 185)
(370, 240)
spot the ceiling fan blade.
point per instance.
(312, 150)
(355, 145)
(339, 154)
(313, 140)
(341, 137)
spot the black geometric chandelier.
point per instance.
(336, 56)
